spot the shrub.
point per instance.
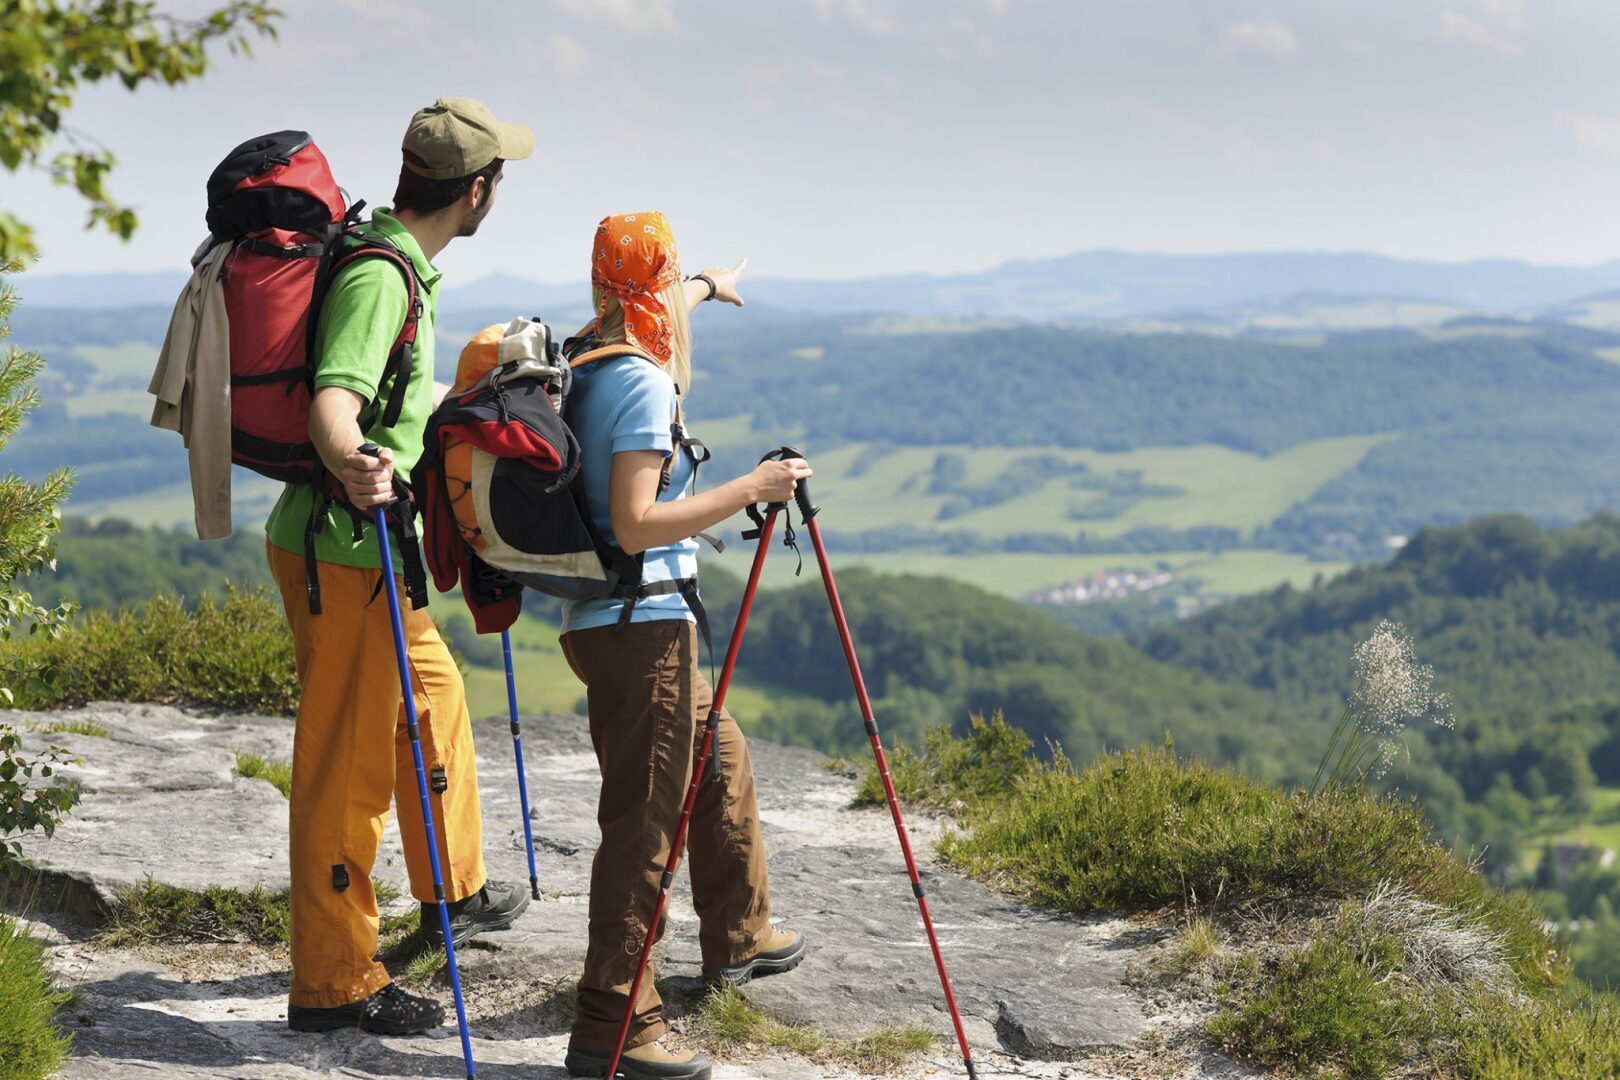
(235, 653)
(26, 805)
(31, 1046)
(1143, 830)
(952, 773)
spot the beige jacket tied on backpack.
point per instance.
(192, 385)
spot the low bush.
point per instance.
(1144, 830)
(232, 653)
(31, 1046)
(1338, 938)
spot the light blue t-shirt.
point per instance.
(615, 406)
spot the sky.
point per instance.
(849, 138)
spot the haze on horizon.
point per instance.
(849, 138)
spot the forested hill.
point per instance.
(1522, 627)
(934, 651)
(1514, 618)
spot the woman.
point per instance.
(647, 697)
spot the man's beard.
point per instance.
(470, 226)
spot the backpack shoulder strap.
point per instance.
(400, 356)
(607, 352)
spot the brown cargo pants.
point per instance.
(648, 702)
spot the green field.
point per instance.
(130, 364)
(1215, 485)
(1017, 574)
(1601, 828)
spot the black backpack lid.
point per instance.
(253, 157)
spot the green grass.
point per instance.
(1143, 830)
(422, 967)
(730, 1020)
(1419, 967)
(157, 913)
(77, 727)
(1327, 1007)
(278, 773)
(31, 1045)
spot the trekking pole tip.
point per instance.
(534, 887)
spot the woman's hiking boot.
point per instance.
(781, 952)
(649, 1061)
(390, 1011)
(494, 907)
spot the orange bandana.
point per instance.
(633, 260)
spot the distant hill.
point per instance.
(1086, 286)
(1521, 625)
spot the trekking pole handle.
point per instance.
(801, 490)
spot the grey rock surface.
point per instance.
(1037, 991)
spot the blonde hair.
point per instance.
(610, 330)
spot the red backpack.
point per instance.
(275, 201)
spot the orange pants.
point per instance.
(351, 757)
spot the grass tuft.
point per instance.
(887, 1048)
(278, 773)
(77, 727)
(155, 912)
(732, 1021)
(423, 967)
(31, 1045)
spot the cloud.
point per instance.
(1591, 130)
(1271, 40)
(1185, 134)
(568, 55)
(860, 14)
(1466, 31)
(640, 17)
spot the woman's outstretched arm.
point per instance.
(640, 521)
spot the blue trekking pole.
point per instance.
(517, 749)
(380, 516)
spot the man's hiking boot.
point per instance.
(390, 1011)
(781, 952)
(649, 1061)
(494, 907)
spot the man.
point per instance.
(351, 754)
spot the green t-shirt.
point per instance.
(359, 323)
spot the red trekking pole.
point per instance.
(808, 511)
(698, 772)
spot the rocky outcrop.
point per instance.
(1042, 995)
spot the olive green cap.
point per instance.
(455, 137)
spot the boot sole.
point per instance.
(628, 1069)
(758, 967)
(317, 1026)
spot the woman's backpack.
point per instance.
(498, 482)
